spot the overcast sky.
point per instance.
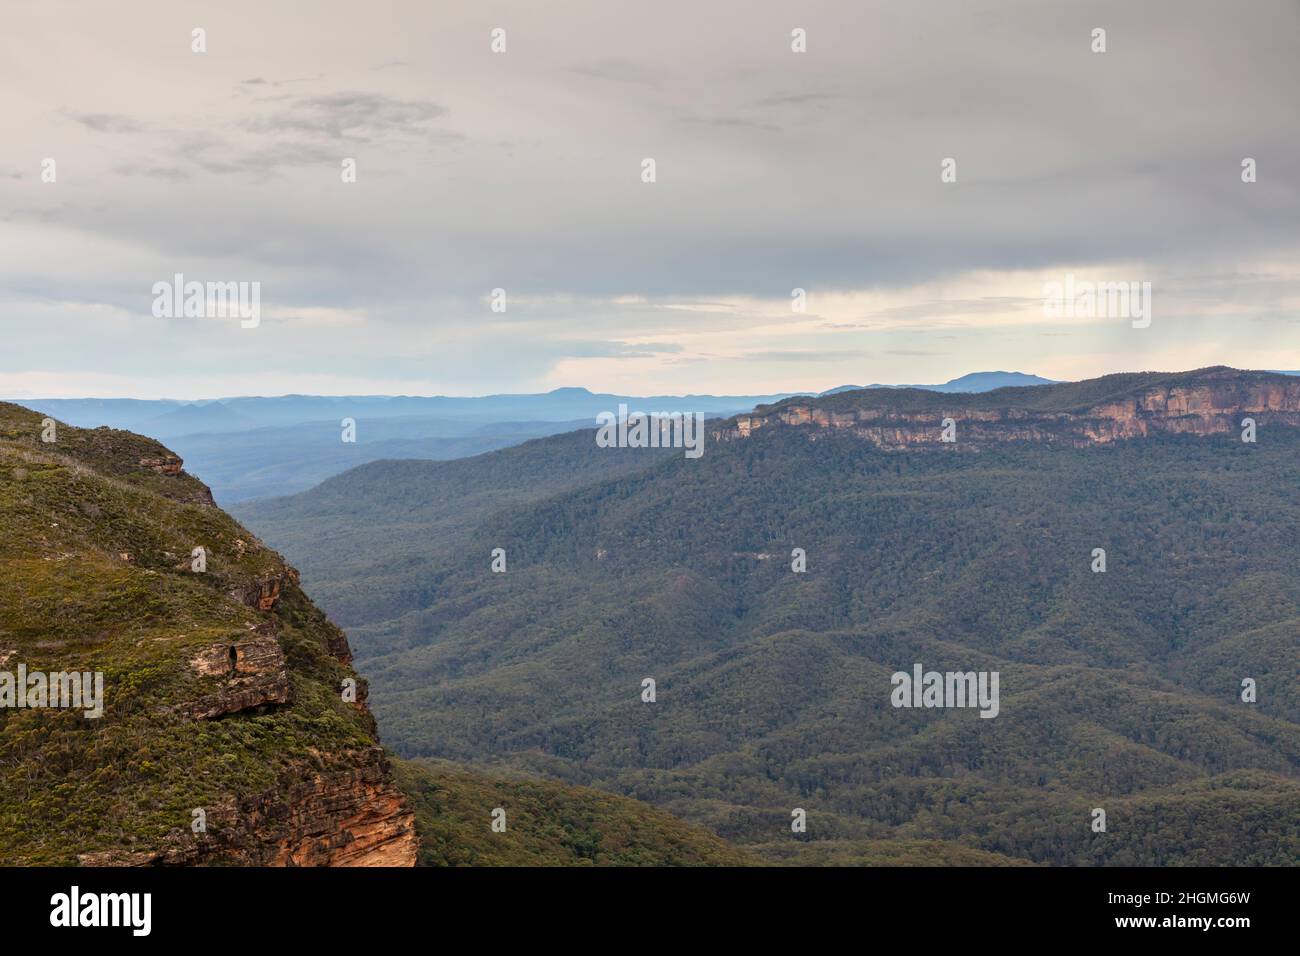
(522, 170)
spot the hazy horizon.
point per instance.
(560, 388)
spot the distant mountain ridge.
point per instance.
(252, 447)
(166, 418)
(973, 382)
(1209, 401)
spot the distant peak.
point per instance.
(970, 382)
(990, 380)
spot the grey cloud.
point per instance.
(350, 116)
(1055, 159)
(620, 71)
(732, 122)
(811, 98)
(107, 122)
(262, 81)
(168, 173)
(47, 214)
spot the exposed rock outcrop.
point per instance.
(264, 593)
(1214, 405)
(165, 465)
(252, 673)
(353, 817)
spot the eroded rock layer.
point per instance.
(1210, 402)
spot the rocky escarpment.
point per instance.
(349, 817)
(232, 729)
(349, 813)
(1209, 402)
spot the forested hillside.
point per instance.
(371, 538)
(1120, 690)
(546, 824)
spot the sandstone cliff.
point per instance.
(1207, 402)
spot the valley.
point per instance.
(1118, 689)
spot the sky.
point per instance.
(522, 170)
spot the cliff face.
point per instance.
(1213, 405)
(352, 817)
(233, 730)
